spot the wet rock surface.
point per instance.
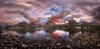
(84, 41)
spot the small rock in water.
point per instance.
(23, 45)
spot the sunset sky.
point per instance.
(47, 11)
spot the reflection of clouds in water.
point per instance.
(38, 34)
(27, 34)
(42, 34)
(60, 33)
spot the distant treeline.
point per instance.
(51, 28)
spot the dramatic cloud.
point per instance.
(36, 11)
